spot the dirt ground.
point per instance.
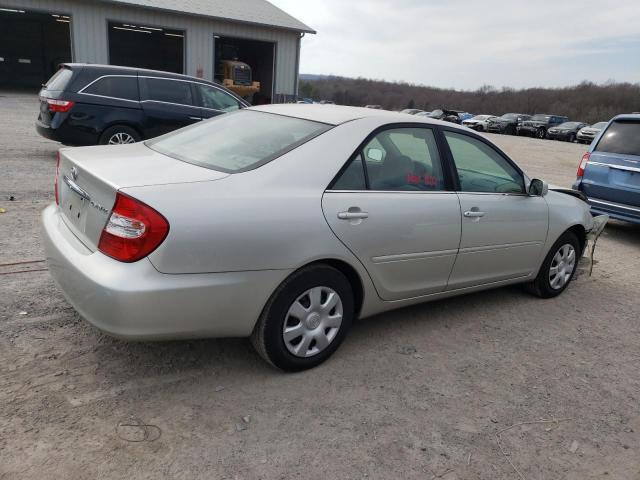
(427, 392)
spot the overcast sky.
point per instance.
(468, 43)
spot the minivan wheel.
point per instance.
(119, 135)
(558, 267)
(306, 319)
(541, 133)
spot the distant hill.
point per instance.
(587, 102)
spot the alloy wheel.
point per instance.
(121, 138)
(312, 321)
(562, 266)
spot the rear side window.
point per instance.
(115, 87)
(237, 141)
(60, 79)
(399, 159)
(163, 90)
(622, 137)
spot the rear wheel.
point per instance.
(558, 267)
(306, 319)
(541, 133)
(119, 135)
(572, 138)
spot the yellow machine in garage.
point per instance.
(237, 77)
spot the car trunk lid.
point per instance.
(90, 177)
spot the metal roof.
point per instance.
(255, 12)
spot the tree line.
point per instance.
(587, 102)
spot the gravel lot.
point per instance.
(417, 393)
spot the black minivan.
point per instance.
(86, 104)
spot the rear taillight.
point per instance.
(59, 105)
(55, 184)
(583, 164)
(133, 231)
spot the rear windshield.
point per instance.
(238, 141)
(621, 137)
(540, 118)
(59, 80)
(569, 125)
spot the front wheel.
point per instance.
(306, 319)
(558, 267)
(541, 133)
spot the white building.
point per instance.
(183, 36)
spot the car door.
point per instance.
(168, 104)
(394, 208)
(503, 228)
(215, 101)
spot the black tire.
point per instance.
(511, 130)
(572, 138)
(541, 133)
(123, 131)
(541, 286)
(267, 337)
(479, 128)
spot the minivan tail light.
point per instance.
(133, 230)
(55, 183)
(60, 106)
(583, 164)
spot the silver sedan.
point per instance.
(284, 223)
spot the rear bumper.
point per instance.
(619, 211)
(135, 301)
(67, 134)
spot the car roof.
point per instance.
(627, 116)
(140, 71)
(338, 114)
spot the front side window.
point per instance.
(622, 137)
(237, 141)
(481, 168)
(171, 91)
(216, 99)
(399, 159)
(115, 87)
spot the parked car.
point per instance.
(478, 123)
(374, 107)
(465, 116)
(506, 124)
(588, 133)
(102, 104)
(609, 173)
(424, 114)
(258, 223)
(411, 111)
(452, 116)
(567, 131)
(538, 125)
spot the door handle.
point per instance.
(352, 215)
(473, 214)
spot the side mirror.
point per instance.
(374, 154)
(538, 188)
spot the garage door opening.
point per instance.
(32, 45)
(232, 53)
(146, 47)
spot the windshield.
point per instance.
(622, 137)
(569, 125)
(509, 116)
(540, 118)
(436, 113)
(481, 117)
(599, 125)
(238, 141)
